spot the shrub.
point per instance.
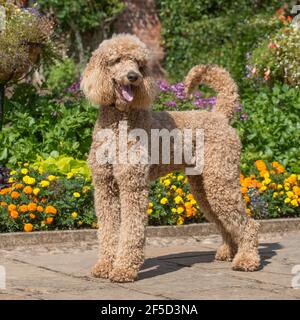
(34, 202)
(271, 130)
(43, 125)
(220, 32)
(278, 57)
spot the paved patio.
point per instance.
(175, 269)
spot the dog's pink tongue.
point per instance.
(127, 93)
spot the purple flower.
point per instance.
(75, 87)
(172, 104)
(198, 94)
(163, 85)
(244, 116)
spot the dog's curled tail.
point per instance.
(220, 81)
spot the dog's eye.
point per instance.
(117, 60)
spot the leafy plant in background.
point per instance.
(271, 131)
(43, 125)
(220, 32)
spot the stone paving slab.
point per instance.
(182, 268)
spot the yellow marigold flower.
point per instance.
(74, 215)
(50, 210)
(11, 180)
(14, 214)
(44, 184)
(149, 211)
(281, 193)
(287, 186)
(180, 210)
(150, 204)
(27, 190)
(32, 216)
(167, 182)
(23, 208)
(266, 175)
(275, 194)
(40, 209)
(43, 223)
(3, 204)
(180, 177)
(26, 164)
(178, 200)
(29, 180)
(287, 200)
(262, 189)
(32, 206)
(12, 207)
(290, 194)
(193, 202)
(15, 195)
(36, 191)
(51, 178)
(76, 194)
(49, 220)
(24, 171)
(247, 199)
(179, 191)
(70, 175)
(13, 172)
(164, 201)
(28, 227)
(185, 180)
(174, 210)
(279, 187)
(248, 212)
(80, 223)
(173, 187)
(180, 220)
(294, 203)
(267, 181)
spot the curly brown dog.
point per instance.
(118, 79)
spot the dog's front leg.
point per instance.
(107, 208)
(133, 185)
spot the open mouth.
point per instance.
(125, 92)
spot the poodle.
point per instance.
(118, 79)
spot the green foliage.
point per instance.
(221, 32)
(272, 129)
(63, 166)
(61, 75)
(40, 125)
(85, 15)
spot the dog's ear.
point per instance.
(96, 82)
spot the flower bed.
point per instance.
(32, 198)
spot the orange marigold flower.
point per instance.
(32, 215)
(12, 207)
(260, 165)
(27, 190)
(14, 214)
(188, 205)
(32, 206)
(49, 220)
(40, 209)
(18, 186)
(190, 197)
(50, 210)
(23, 208)
(3, 204)
(28, 227)
(5, 191)
(189, 213)
(244, 190)
(15, 195)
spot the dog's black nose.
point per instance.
(132, 76)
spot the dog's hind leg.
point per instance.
(133, 185)
(108, 213)
(228, 249)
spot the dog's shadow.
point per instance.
(157, 266)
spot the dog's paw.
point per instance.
(225, 253)
(122, 275)
(102, 269)
(246, 261)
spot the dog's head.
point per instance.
(118, 74)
